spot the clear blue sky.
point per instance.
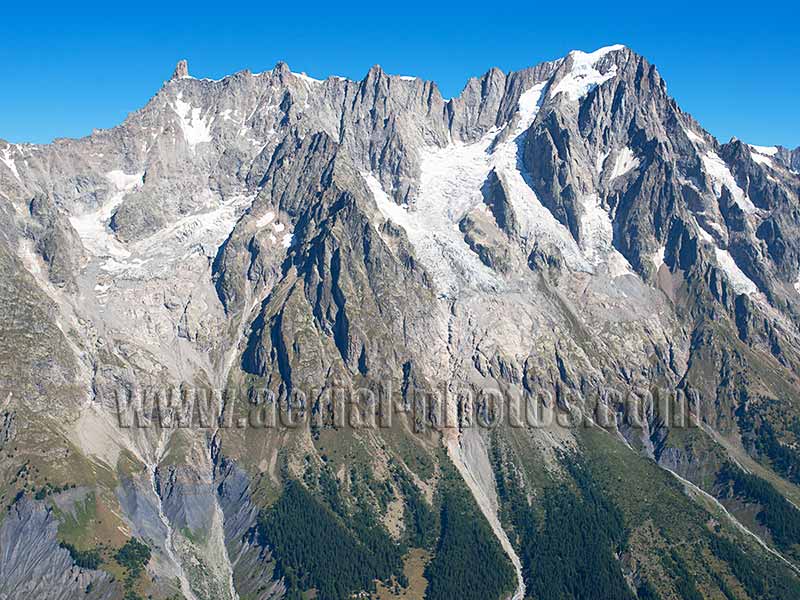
(65, 70)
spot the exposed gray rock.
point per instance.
(556, 233)
(33, 565)
(789, 158)
(181, 70)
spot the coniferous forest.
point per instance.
(316, 550)
(469, 562)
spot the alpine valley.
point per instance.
(540, 340)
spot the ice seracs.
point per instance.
(537, 223)
(450, 183)
(93, 227)
(596, 230)
(763, 160)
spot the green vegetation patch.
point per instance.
(316, 549)
(571, 553)
(421, 522)
(469, 563)
(758, 582)
(682, 578)
(777, 514)
(85, 559)
(75, 526)
(133, 556)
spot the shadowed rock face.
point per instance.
(789, 158)
(564, 233)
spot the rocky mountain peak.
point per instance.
(281, 68)
(181, 70)
(558, 232)
(375, 72)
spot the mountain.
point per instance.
(275, 337)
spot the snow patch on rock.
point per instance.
(704, 235)
(583, 77)
(600, 161)
(625, 162)
(741, 283)
(537, 223)
(697, 139)
(763, 160)
(765, 150)
(196, 130)
(7, 160)
(124, 182)
(307, 79)
(265, 219)
(721, 176)
(657, 258)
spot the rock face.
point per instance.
(181, 70)
(564, 235)
(789, 158)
